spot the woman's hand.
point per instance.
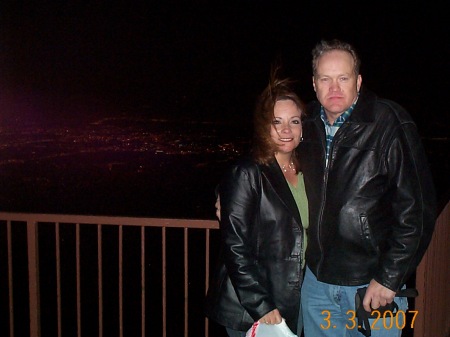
(272, 317)
(217, 204)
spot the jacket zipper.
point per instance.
(324, 183)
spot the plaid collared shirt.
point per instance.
(330, 130)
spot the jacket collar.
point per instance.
(280, 185)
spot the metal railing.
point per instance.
(75, 275)
(81, 278)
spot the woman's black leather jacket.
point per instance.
(260, 260)
(372, 207)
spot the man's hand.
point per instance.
(217, 204)
(377, 295)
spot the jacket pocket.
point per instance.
(367, 238)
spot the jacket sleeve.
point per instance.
(413, 206)
(239, 198)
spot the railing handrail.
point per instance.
(111, 220)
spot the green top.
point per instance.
(301, 200)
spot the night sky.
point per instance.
(196, 59)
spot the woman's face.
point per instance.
(286, 130)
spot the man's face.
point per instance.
(335, 83)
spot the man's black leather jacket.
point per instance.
(372, 207)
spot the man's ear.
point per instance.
(358, 82)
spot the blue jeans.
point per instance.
(329, 310)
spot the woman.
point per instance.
(263, 212)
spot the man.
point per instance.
(371, 199)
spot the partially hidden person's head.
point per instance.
(277, 119)
(336, 76)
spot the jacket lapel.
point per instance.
(280, 186)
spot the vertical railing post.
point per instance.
(100, 279)
(10, 279)
(186, 282)
(58, 278)
(120, 243)
(33, 277)
(143, 281)
(207, 262)
(164, 286)
(78, 280)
